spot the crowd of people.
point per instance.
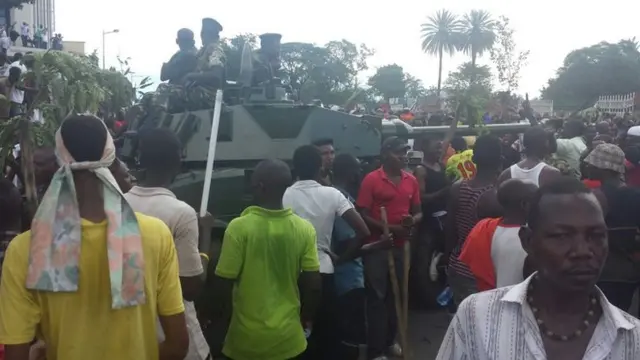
(534, 236)
(16, 89)
(28, 36)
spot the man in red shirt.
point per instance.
(398, 191)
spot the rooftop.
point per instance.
(76, 47)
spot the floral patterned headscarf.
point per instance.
(56, 233)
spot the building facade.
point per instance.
(41, 12)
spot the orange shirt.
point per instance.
(476, 253)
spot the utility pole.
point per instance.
(104, 36)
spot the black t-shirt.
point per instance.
(623, 221)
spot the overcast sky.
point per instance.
(548, 28)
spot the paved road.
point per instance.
(426, 330)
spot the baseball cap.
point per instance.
(607, 157)
(394, 143)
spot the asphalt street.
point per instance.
(426, 331)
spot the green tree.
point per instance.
(440, 35)
(504, 55)
(470, 85)
(65, 84)
(347, 60)
(414, 87)
(328, 73)
(389, 82)
(233, 51)
(477, 34)
(593, 71)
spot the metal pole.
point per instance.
(213, 142)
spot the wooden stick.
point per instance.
(394, 281)
(405, 296)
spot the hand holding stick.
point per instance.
(394, 282)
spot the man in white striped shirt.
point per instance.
(558, 312)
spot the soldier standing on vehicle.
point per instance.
(209, 75)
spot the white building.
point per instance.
(41, 12)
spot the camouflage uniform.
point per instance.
(173, 98)
(199, 97)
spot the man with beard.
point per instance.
(558, 312)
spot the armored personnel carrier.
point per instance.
(257, 122)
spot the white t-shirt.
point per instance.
(507, 255)
(531, 175)
(16, 96)
(320, 205)
(5, 42)
(183, 223)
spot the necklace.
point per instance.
(584, 325)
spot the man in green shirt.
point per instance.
(266, 253)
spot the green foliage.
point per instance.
(414, 87)
(233, 51)
(66, 84)
(587, 73)
(328, 73)
(121, 82)
(477, 34)
(441, 35)
(303, 62)
(470, 85)
(506, 58)
(388, 82)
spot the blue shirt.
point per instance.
(350, 275)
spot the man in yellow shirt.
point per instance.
(460, 165)
(266, 253)
(97, 275)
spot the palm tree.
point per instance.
(439, 36)
(477, 34)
